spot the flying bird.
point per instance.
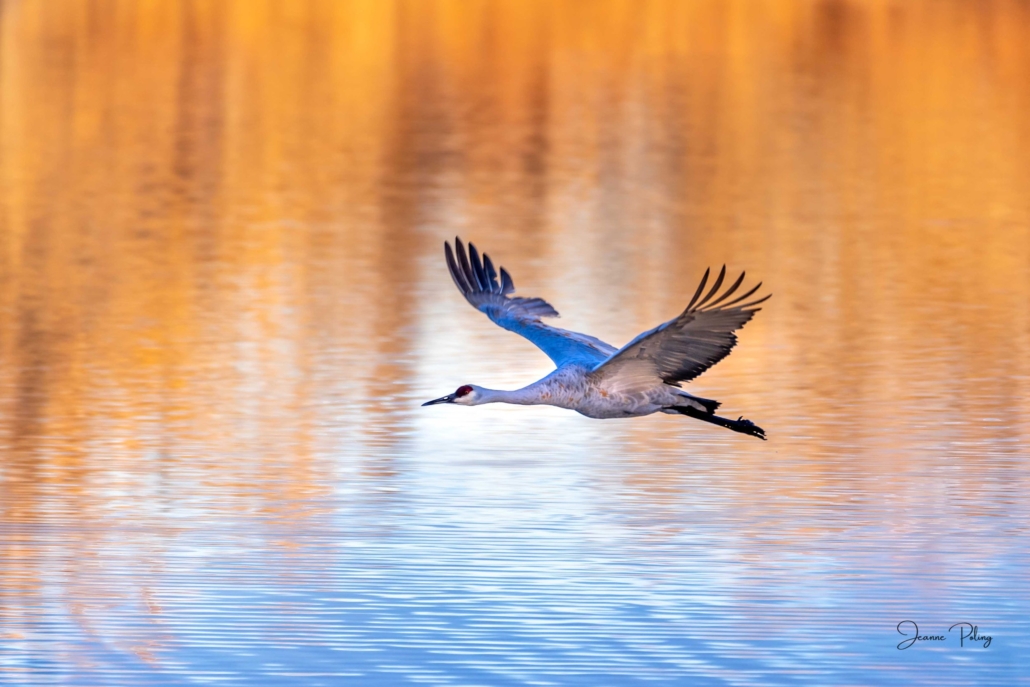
(594, 378)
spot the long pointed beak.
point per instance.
(449, 398)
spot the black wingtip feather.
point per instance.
(466, 269)
(715, 287)
(728, 292)
(750, 307)
(491, 273)
(477, 268)
(738, 299)
(700, 288)
(452, 267)
(507, 285)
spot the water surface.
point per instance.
(223, 300)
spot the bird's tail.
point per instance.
(708, 404)
(739, 425)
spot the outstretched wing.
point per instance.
(684, 347)
(477, 281)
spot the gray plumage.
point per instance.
(593, 377)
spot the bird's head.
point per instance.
(465, 395)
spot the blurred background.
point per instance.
(223, 299)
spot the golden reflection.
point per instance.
(220, 229)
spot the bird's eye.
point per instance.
(463, 391)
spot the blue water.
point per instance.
(485, 563)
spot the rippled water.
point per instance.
(223, 300)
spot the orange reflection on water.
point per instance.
(220, 229)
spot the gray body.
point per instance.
(594, 378)
(572, 387)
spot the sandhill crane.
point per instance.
(594, 378)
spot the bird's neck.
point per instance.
(526, 396)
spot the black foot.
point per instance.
(739, 425)
(747, 427)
